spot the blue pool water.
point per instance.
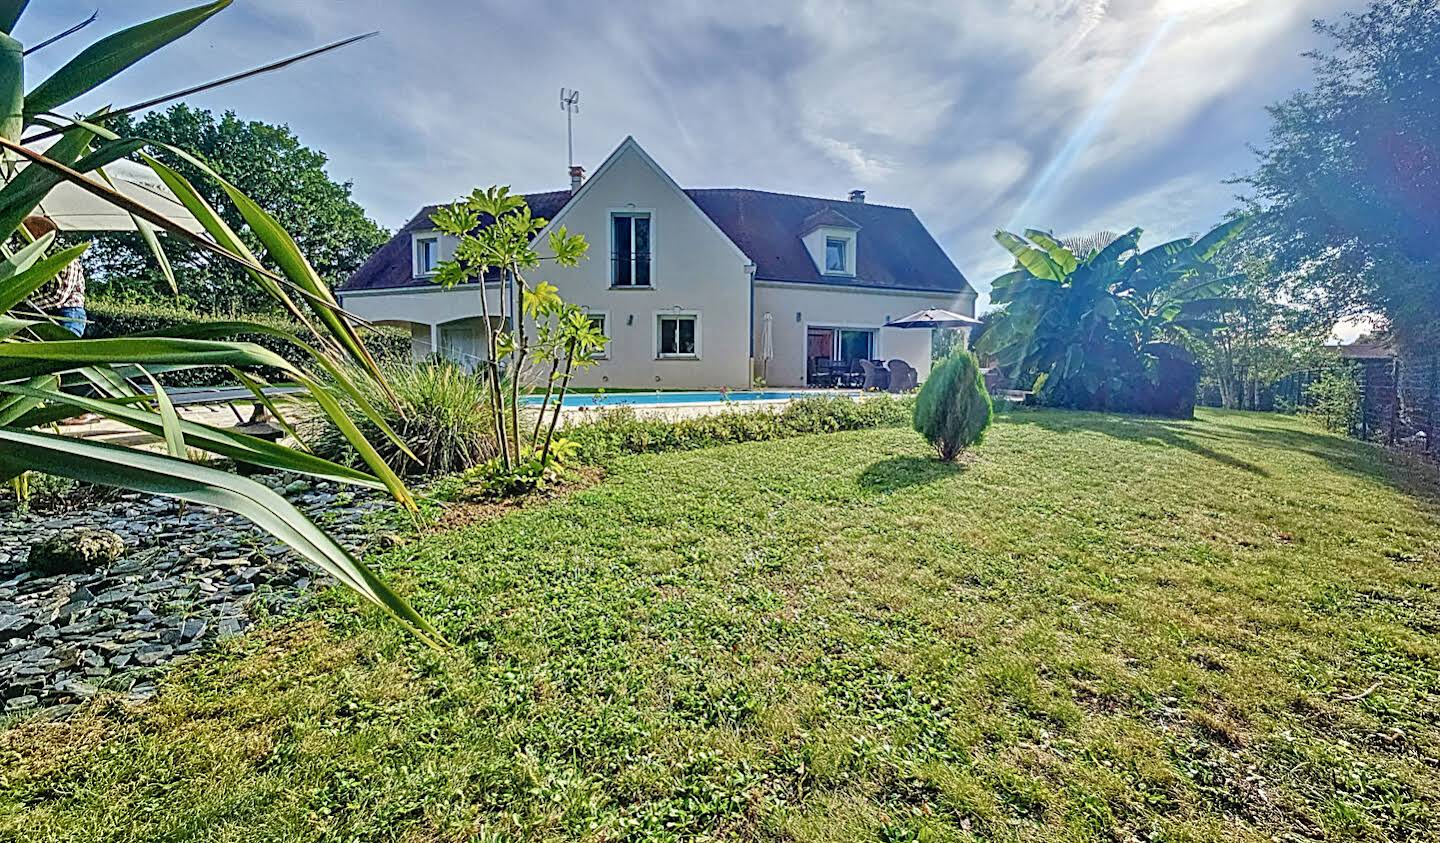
(646, 399)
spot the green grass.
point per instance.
(1096, 628)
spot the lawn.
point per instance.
(1096, 628)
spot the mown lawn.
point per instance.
(1097, 629)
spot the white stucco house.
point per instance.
(683, 280)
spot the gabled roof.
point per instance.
(827, 218)
(894, 252)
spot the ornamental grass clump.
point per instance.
(442, 412)
(953, 409)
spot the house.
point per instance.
(685, 283)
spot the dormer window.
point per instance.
(835, 249)
(427, 254)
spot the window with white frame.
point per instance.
(678, 336)
(427, 254)
(600, 321)
(836, 249)
(630, 250)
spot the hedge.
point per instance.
(115, 319)
(620, 431)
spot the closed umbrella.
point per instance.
(767, 344)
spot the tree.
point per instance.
(953, 409)
(1104, 330)
(1262, 338)
(496, 230)
(268, 163)
(1347, 191)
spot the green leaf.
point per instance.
(282, 249)
(113, 54)
(1210, 244)
(15, 288)
(1033, 260)
(27, 359)
(17, 405)
(226, 443)
(10, 12)
(169, 419)
(140, 471)
(12, 77)
(1062, 256)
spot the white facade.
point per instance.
(698, 322)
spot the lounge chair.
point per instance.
(903, 376)
(876, 377)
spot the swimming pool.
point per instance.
(650, 399)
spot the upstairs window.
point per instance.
(835, 249)
(630, 255)
(679, 336)
(427, 254)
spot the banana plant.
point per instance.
(39, 360)
(1095, 326)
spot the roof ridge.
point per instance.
(797, 196)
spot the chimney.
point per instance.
(857, 196)
(577, 176)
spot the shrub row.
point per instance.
(115, 319)
(620, 431)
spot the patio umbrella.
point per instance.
(767, 343)
(934, 318)
(74, 209)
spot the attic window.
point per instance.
(835, 249)
(427, 254)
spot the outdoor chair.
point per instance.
(903, 376)
(876, 377)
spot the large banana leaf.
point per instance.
(1058, 252)
(110, 55)
(142, 471)
(1033, 260)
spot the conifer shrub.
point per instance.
(953, 409)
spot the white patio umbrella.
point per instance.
(74, 209)
(767, 344)
(934, 318)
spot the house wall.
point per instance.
(839, 307)
(694, 269)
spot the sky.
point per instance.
(1073, 116)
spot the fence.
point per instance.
(1400, 405)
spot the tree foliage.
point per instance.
(953, 409)
(267, 163)
(1348, 185)
(1106, 329)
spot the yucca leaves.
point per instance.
(231, 444)
(12, 86)
(16, 286)
(37, 357)
(163, 475)
(10, 12)
(110, 55)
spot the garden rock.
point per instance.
(76, 550)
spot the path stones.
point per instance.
(176, 585)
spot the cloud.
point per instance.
(952, 109)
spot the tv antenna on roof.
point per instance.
(570, 104)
